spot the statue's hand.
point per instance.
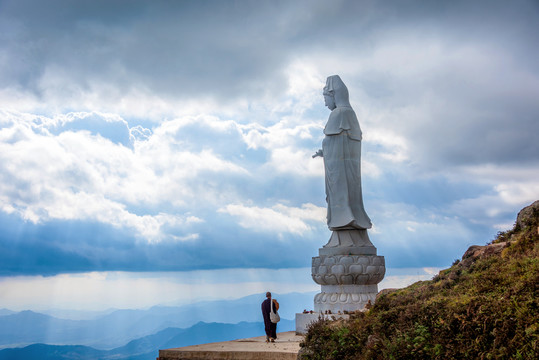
(318, 153)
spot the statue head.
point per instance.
(329, 101)
(335, 92)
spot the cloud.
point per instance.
(88, 200)
(106, 290)
(97, 49)
(111, 127)
(409, 235)
(172, 136)
(280, 218)
(135, 290)
(54, 171)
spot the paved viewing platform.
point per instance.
(286, 347)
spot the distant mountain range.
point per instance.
(121, 326)
(106, 335)
(145, 348)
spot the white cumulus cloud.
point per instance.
(279, 218)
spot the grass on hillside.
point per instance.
(479, 308)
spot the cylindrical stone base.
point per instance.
(349, 270)
(344, 298)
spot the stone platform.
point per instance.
(286, 347)
(304, 320)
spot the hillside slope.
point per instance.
(485, 306)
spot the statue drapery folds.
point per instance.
(341, 150)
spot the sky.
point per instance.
(164, 147)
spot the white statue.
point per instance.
(347, 268)
(341, 150)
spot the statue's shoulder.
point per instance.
(343, 112)
(343, 118)
(333, 124)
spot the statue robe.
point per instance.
(342, 162)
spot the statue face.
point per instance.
(329, 101)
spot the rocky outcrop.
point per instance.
(528, 216)
(525, 218)
(475, 252)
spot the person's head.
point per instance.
(268, 294)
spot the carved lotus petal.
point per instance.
(363, 260)
(362, 279)
(346, 260)
(337, 269)
(330, 260)
(330, 279)
(371, 270)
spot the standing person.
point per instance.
(271, 328)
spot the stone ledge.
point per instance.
(286, 347)
(304, 320)
(348, 250)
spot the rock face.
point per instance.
(477, 252)
(525, 216)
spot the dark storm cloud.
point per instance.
(171, 47)
(230, 49)
(465, 92)
(81, 246)
(77, 246)
(219, 47)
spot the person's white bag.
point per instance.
(274, 316)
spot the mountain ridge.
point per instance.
(121, 326)
(145, 348)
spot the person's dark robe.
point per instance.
(271, 328)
